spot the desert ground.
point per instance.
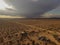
(29, 31)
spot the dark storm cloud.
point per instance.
(31, 8)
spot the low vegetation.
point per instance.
(30, 32)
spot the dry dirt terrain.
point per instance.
(29, 31)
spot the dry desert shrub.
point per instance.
(26, 33)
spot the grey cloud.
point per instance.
(9, 9)
(29, 9)
(51, 16)
(7, 12)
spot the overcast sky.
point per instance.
(30, 8)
